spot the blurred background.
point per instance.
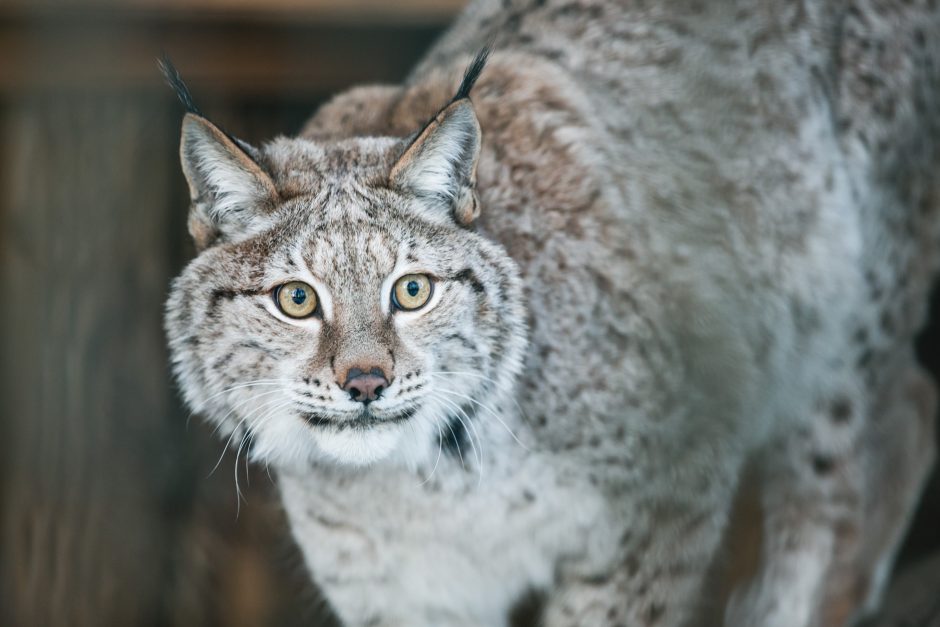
(110, 513)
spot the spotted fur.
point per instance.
(706, 233)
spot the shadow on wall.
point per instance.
(109, 511)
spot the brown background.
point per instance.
(108, 512)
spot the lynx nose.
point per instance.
(365, 387)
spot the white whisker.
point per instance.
(485, 378)
(244, 384)
(248, 434)
(492, 412)
(471, 431)
(456, 439)
(440, 449)
(241, 403)
(228, 441)
(464, 372)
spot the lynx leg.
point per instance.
(837, 497)
(898, 450)
(657, 578)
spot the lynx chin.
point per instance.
(523, 323)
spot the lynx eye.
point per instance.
(412, 291)
(296, 299)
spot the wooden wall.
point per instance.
(108, 512)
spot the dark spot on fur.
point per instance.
(603, 282)
(468, 276)
(223, 294)
(861, 336)
(633, 565)
(806, 319)
(822, 464)
(887, 323)
(577, 9)
(841, 409)
(551, 53)
(655, 612)
(460, 337)
(222, 362)
(527, 610)
(456, 438)
(846, 530)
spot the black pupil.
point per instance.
(413, 288)
(298, 295)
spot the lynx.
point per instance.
(526, 327)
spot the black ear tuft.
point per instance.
(472, 74)
(175, 81)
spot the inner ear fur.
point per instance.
(440, 164)
(231, 194)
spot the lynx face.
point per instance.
(341, 307)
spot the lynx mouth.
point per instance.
(365, 419)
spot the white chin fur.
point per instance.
(358, 447)
(289, 442)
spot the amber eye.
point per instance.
(296, 299)
(412, 291)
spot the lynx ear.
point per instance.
(232, 196)
(439, 167)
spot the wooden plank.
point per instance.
(231, 58)
(90, 454)
(376, 12)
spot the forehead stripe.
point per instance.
(224, 294)
(469, 276)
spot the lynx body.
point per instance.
(665, 243)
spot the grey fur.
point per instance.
(706, 233)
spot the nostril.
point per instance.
(364, 385)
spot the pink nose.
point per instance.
(365, 387)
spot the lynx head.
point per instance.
(342, 307)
